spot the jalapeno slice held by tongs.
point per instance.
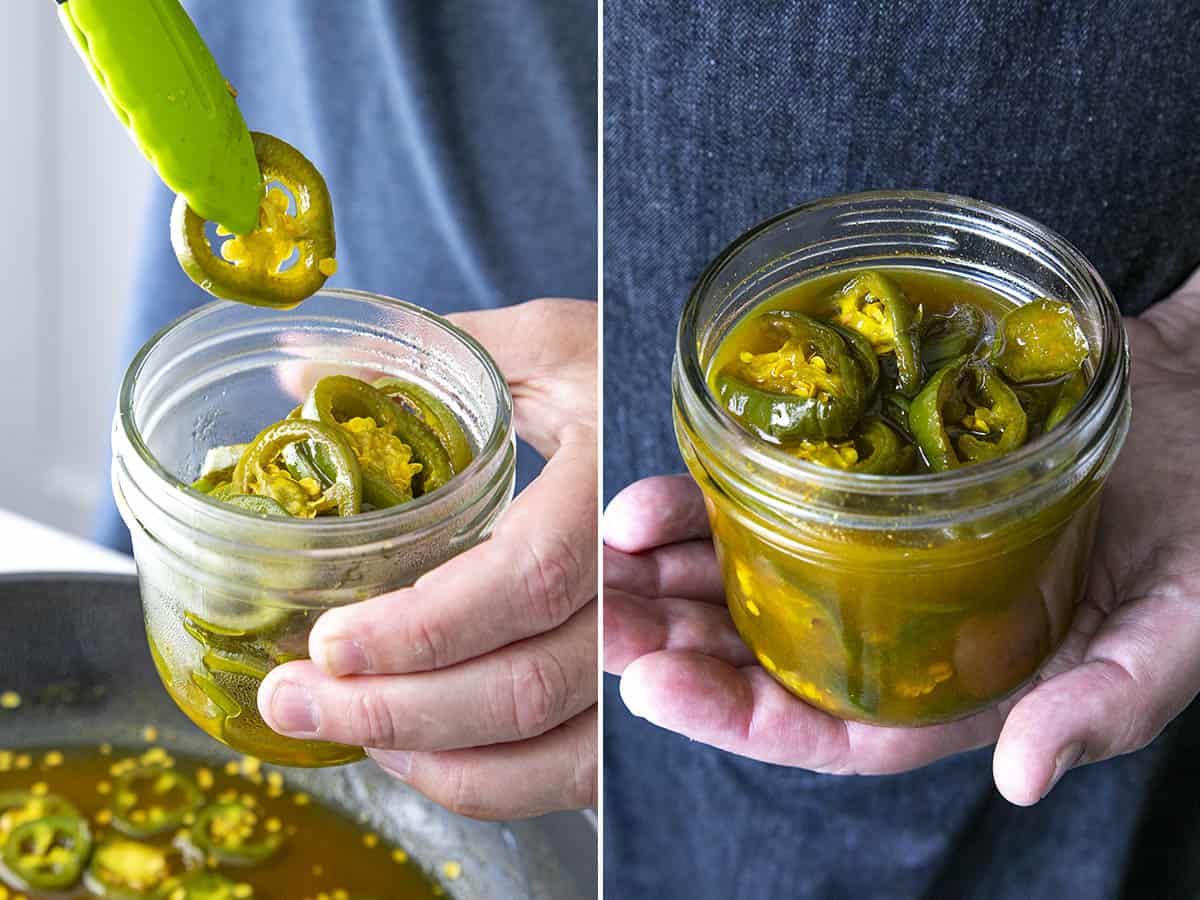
(965, 414)
(48, 854)
(812, 387)
(286, 257)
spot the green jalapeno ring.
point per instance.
(948, 335)
(862, 350)
(928, 413)
(202, 884)
(778, 416)
(1040, 341)
(873, 286)
(136, 822)
(18, 807)
(48, 854)
(435, 415)
(1069, 395)
(127, 870)
(260, 506)
(337, 398)
(887, 453)
(344, 472)
(253, 282)
(232, 848)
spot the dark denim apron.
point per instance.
(1084, 116)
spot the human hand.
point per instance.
(1126, 669)
(477, 685)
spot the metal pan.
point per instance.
(74, 648)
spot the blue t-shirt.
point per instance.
(458, 141)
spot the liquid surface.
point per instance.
(322, 853)
(789, 372)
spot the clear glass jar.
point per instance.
(919, 599)
(228, 595)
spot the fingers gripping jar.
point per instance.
(229, 595)
(917, 599)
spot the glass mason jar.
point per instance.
(228, 595)
(902, 600)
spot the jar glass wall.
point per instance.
(902, 600)
(228, 595)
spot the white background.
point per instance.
(72, 189)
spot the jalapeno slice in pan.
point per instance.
(203, 885)
(875, 306)
(811, 387)
(251, 268)
(127, 870)
(149, 800)
(964, 414)
(19, 807)
(234, 835)
(1040, 341)
(252, 474)
(48, 854)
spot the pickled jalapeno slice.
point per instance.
(964, 414)
(1069, 395)
(436, 416)
(949, 335)
(235, 834)
(874, 306)
(127, 870)
(261, 506)
(810, 387)
(875, 448)
(400, 456)
(48, 854)
(1041, 341)
(19, 807)
(257, 471)
(204, 884)
(149, 800)
(289, 254)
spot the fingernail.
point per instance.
(345, 657)
(293, 711)
(395, 762)
(1066, 760)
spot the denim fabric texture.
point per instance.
(458, 141)
(718, 115)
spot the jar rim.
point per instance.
(1103, 393)
(496, 443)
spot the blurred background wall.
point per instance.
(72, 186)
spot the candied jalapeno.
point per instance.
(349, 404)
(48, 854)
(127, 870)
(949, 335)
(149, 800)
(19, 807)
(874, 448)
(964, 414)
(1069, 395)
(252, 267)
(204, 884)
(434, 414)
(811, 387)
(875, 306)
(1040, 341)
(235, 834)
(254, 473)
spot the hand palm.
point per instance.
(1127, 667)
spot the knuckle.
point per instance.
(537, 693)
(457, 786)
(551, 575)
(372, 722)
(428, 643)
